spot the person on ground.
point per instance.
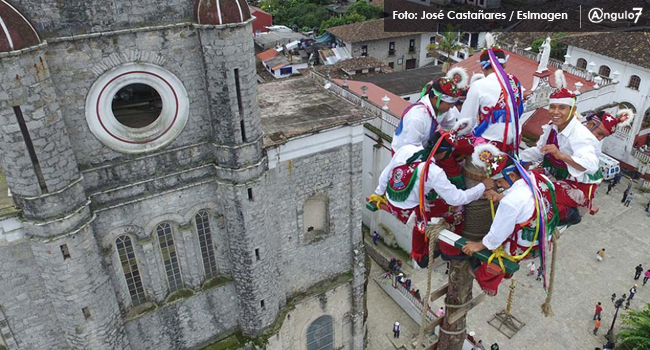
(637, 271)
(646, 277)
(628, 199)
(479, 345)
(396, 329)
(599, 309)
(600, 255)
(632, 292)
(375, 236)
(597, 325)
(494, 346)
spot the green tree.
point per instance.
(364, 9)
(558, 49)
(348, 18)
(448, 44)
(635, 334)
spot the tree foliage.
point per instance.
(558, 49)
(635, 334)
(448, 44)
(364, 9)
(303, 14)
(310, 14)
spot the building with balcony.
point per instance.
(398, 50)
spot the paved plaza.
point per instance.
(580, 283)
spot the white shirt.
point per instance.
(437, 181)
(576, 141)
(416, 126)
(516, 207)
(450, 118)
(484, 94)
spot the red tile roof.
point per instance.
(532, 128)
(524, 69)
(221, 12)
(16, 32)
(270, 53)
(396, 104)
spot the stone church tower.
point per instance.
(146, 215)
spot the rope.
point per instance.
(458, 306)
(547, 310)
(453, 332)
(432, 232)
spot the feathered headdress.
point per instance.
(561, 95)
(475, 77)
(459, 76)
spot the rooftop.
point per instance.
(396, 105)
(268, 40)
(366, 31)
(296, 107)
(405, 82)
(630, 47)
(524, 69)
(532, 128)
(338, 69)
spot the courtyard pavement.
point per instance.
(580, 283)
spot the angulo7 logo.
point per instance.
(597, 15)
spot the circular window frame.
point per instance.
(112, 133)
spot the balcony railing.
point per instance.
(642, 156)
(357, 100)
(597, 93)
(391, 52)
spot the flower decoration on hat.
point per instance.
(562, 95)
(448, 91)
(459, 76)
(490, 158)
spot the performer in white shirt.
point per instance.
(421, 119)
(567, 150)
(603, 124)
(493, 103)
(514, 224)
(400, 181)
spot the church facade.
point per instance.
(151, 211)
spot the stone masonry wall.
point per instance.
(73, 66)
(27, 307)
(27, 84)
(139, 220)
(326, 173)
(64, 18)
(186, 323)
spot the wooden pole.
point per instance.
(452, 336)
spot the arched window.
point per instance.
(205, 241)
(130, 269)
(635, 81)
(604, 71)
(169, 256)
(582, 63)
(320, 334)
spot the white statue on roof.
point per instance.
(545, 50)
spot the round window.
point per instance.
(137, 108)
(137, 105)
